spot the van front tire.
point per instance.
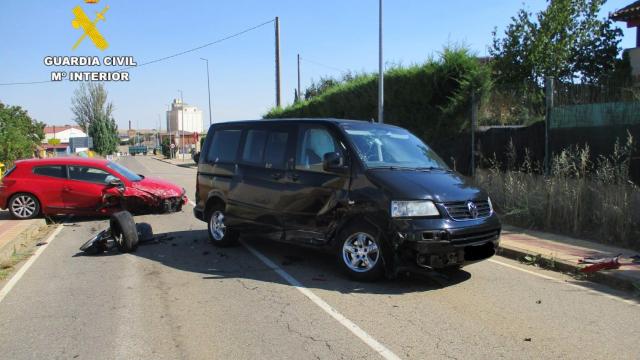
(359, 252)
(219, 234)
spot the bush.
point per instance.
(586, 198)
(431, 100)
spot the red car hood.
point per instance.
(157, 187)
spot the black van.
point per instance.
(373, 194)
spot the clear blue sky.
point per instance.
(338, 33)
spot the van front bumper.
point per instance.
(440, 243)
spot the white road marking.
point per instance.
(584, 288)
(18, 275)
(350, 325)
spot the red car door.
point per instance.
(47, 183)
(83, 191)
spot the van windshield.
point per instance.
(385, 147)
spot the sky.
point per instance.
(331, 36)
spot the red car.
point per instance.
(73, 185)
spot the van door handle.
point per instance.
(294, 176)
(276, 176)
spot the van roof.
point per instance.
(290, 120)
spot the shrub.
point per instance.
(431, 100)
(582, 197)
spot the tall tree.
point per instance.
(19, 134)
(566, 40)
(90, 102)
(94, 115)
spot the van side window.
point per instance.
(313, 143)
(253, 151)
(276, 150)
(224, 145)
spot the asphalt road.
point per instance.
(184, 298)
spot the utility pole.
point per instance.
(299, 94)
(209, 90)
(182, 124)
(380, 68)
(278, 62)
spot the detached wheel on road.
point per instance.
(124, 231)
(219, 234)
(360, 253)
(24, 206)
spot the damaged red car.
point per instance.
(80, 186)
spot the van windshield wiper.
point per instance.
(413, 168)
(431, 168)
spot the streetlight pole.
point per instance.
(277, 29)
(182, 131)
(169, 112)
(209, 90)
(380, 68)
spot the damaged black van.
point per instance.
(375, 195)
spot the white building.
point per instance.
(191, 115)
(62, 132)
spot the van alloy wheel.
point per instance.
(217, 226)
(360, 252)
(24, 206)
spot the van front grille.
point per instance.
(464, 210)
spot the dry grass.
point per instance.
(582, 197)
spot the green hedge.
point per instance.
(432, 100)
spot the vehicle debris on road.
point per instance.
(123, 233)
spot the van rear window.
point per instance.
(224, 145)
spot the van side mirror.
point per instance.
(196, 157)
(333, 162)
(113, 181)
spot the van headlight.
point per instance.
(413, 208)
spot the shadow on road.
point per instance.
(191, 251)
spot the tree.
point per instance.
(316, 89)
(104, 132)
(567, 40)
(19, 134)
(94, 115)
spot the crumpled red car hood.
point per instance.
(158, 187)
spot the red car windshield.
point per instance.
(124, 171)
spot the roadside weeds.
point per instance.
(23, 247)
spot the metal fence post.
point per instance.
(549, 82)
(474, 122)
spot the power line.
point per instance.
(323, 65)
(162, 58)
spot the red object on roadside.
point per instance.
(609, 264)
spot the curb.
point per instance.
(186, 165)
(20, 239)
(604, 277)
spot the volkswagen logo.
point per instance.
(473, 209)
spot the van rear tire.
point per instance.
(219, 234)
